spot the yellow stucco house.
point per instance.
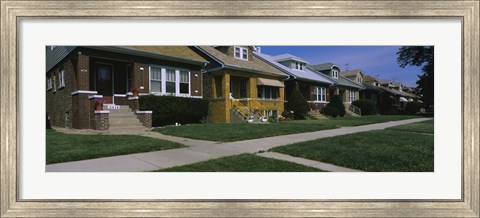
(241, 87)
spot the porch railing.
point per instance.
(240, 107)
(354, 109)
(261, 109)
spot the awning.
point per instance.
(402, 99)
(269, 82)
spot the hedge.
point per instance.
(368, 107)
(168, 110)
(412, 107)
(298, 104)
(337, 102)
(330, 111)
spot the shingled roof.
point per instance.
(174, 51)
(324, 66)
(254, 64)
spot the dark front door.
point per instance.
(104, 81)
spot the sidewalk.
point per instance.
(204, 150)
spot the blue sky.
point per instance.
(377, 61)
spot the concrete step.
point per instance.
(127, 129)
(122, 115)
(126, 122)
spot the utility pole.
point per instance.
(346, 66)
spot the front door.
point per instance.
(104, 80)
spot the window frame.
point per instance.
(351, 98)
(335, 74)
(163, 81)
(263, 88)
(243, 51)
(320, 92)
(49, 83)
(61, 78)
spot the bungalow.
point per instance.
(348, 90)
(313, 86)
(81, 77)
(240, 86)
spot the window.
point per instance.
(335, 73)
(351, 96)
(61, 78)
(241, 53)
(170, 81)
(155, 79)
(53, 85)
(267, 92)
(49, 84)
(320, 94)
(184, 82)
(359, 79)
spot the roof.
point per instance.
(340, 81)
(398, 84)
(308, 74)
(253, 64)
(174, 51)
(324, 66)
(351, 73)
(369, 78)
(287, 56)
(371, 87)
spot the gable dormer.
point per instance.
(238, 52)
(292, 62)
(335, 72)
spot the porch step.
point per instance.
(122, 120)
(316, 115)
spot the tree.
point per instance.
(420, 56)
(337, 102)
(298, 104)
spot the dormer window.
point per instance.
(359, 79)
(335, 74)
(299, 66)
(241, 53)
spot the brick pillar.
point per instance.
(226, 93)
(252, 88)
(81, 111)
(83, 72)
(141, 77)
(133, 103)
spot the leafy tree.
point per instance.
(420, 56)
(298, 104)
(337, 102)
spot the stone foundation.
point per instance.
(145, 118)
(100, 120)
(133, 103)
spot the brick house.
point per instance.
(313, 86)
(240, 86)
(78, 77)
(347, 89)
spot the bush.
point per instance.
(330, 111)
(385, 104)
(368, 107)
(298, 104)
(337, 103)
(167, 110)
(412, 107)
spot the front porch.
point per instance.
(241, 97)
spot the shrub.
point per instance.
(368, 107)
(298, 104)
(337, 103)
(412, 107)
(167, 110)
(385, 104)
(330, 111)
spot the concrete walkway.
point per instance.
(307, 162)
(200, 150)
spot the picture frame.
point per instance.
(13, 11)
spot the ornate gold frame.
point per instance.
(468, 11)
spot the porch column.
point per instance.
(140, 77)
(226, 94)
(80, 104)
(83, 72)
(252, 87)
(281, 103)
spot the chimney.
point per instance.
(259, 49)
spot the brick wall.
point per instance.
(59, 102)
(141, 76)
(133, 103)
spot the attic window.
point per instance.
(335, 74)
(299, 66)
(241, 53)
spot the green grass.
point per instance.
(420, 127)
(227, 132)
(376, 151)
(242, 163)
(70, 147)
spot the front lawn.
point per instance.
(377, 151)
(242, 163)
(420, 127)
(70, 147)
(228, 132)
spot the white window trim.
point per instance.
(335, 74)
(49, 83)
(317, 92)
(163, 80)
(242, 50)
(263, 93)
(351, 98)
(61, 78)
(54, 85)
